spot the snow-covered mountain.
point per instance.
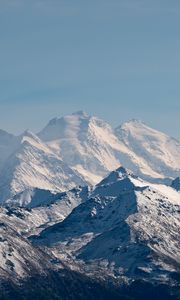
(128, 227)
(34, 165)
(122, 232)
(91, 147)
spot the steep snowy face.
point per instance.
(156, 154)
(127, 225)
(176, 184)
(85, 143)
(34, 165)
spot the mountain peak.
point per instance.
(55, 121)
(134, 122)
(27, 132)
(133, 125)
(28, 135)
(116, 176)
(80, 113)
(124, 172)
(176, 184)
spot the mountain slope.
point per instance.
(18, 257)
(154, 151)
(34, 165)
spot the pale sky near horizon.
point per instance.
(117, 59)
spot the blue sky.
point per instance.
(118, 59)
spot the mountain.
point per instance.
(63, 238)
(34, 165)
(92, 148)
(128, 227)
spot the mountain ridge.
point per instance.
(87, 148)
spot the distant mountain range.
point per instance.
(78, 149)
